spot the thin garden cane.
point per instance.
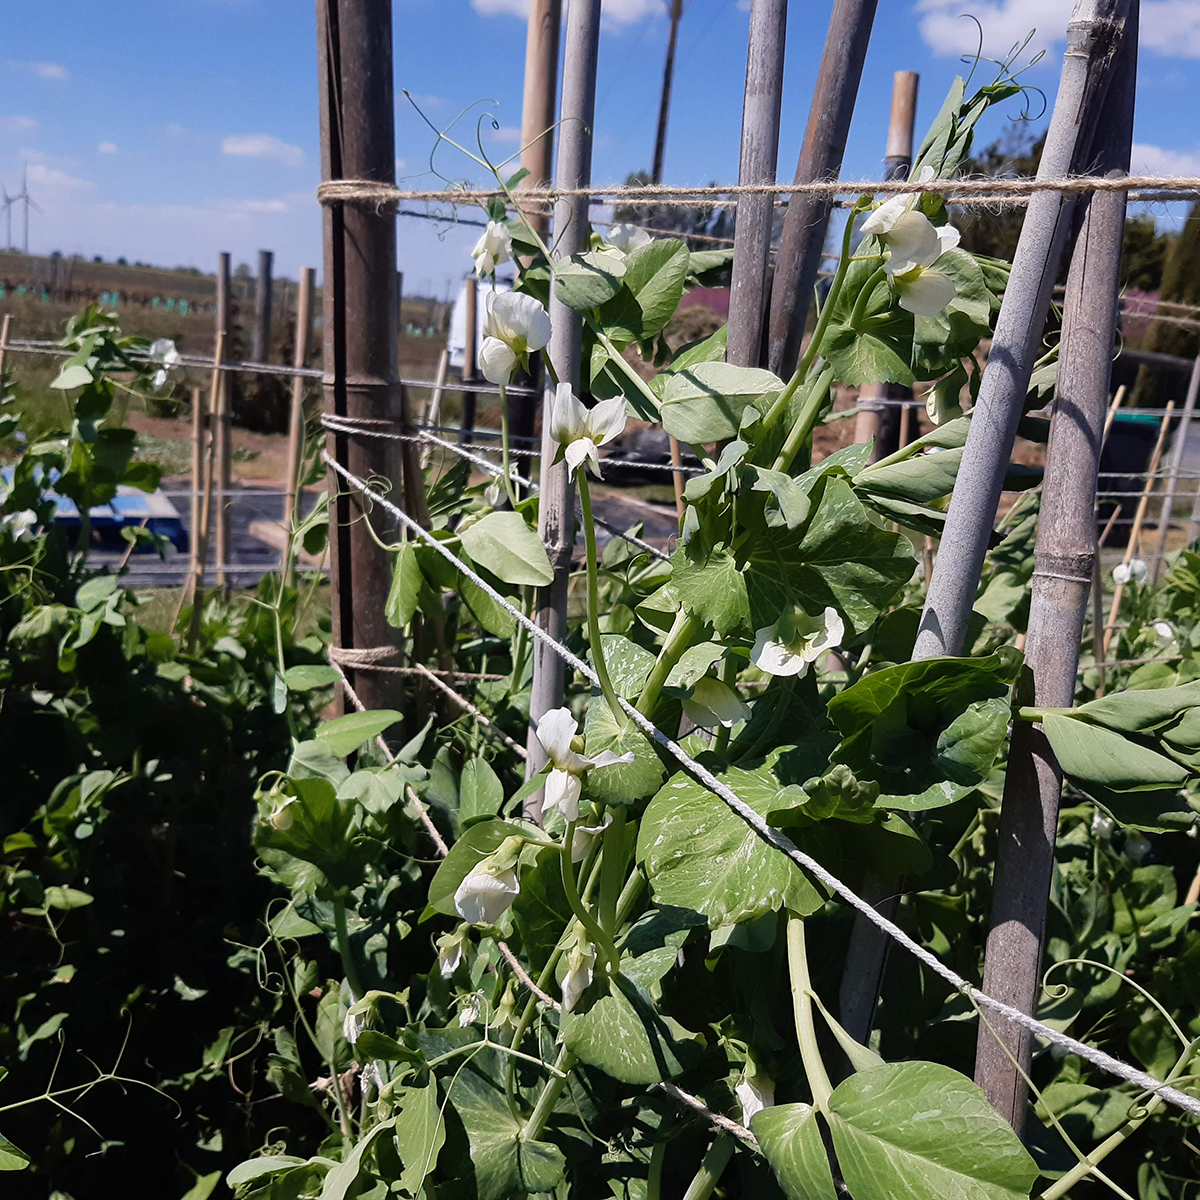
(1093, 34)
(1135, 530)
(1168, 504)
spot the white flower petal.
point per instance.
(579, 451)
(555, 730)
(1121, 573)
(585, 835)
(580, 968)
(563, 790)
(831, 636)
(607, 420)
(1140, 571)
(485, 895)
(568, 417)
(754, 1092)
(713, 703)
(948, 238)
(925, 293)
(880, 221)
(606, 758)
(774, 657)
(497, 361)
(493, 247)
(627, 237)
(913, 242)
(1164, 632)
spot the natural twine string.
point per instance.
(368, 193)
(773, 837)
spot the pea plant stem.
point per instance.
(711, 1168)
(612, 869)
(802, 430)
(549, 1097)
(806, 1032)
(504, 447)
(601, 939)
(684, 629)
(342, 933)
(593, 604)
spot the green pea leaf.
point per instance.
(504, 544)
(624, 1035)
(790, 1137)
(471, 849)
(11, 1159)
(586, 281)
(709, 349)
(480, 793)
(700, 855)
(420, 1133)
(72, 376)
(623, 783)
(309, 678)
(922, 1130)
(344, 735)
(653, 286)
(407, 579)
(1096, 755)
(705, 403)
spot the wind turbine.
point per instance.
(9, 201)
(23, 194)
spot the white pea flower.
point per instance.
(493, 248)
(756, 1091)
(21, 525)
(1137, 847)
(713, 703)
(450, 952)
(471, 1010)
(1134, 571)
(585, 835)
(916, 246)
(941, 403)
(283, 817)
(1102, 826)
(556, 731)
(1163, 631)
(352, 1025)
(506, 1009)
(581, 964)
(162, 350)
(581, 431)
(514, 327)
(627, 237)
(796, 640)
(485, 895)
(883, 219)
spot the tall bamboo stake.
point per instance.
(295, 458)
(203, 483)
(1062, 579)
(1185, 425)
(803, 242)
(4, 341)
(556, 511)
(220, 415)
(433, 410)
(1093, 35)
(1139, 515)
(261, 348)
(877, 420)
(199, 447)
(761, 107)
(951, 590)
(354, 47)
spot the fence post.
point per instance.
(875, 419)
(1185, 423)
(537, 156)
(1093, 35)
(556, 510)
(759, 159)
(295, 458)
(466, 427)
(803, 242)
(261, 351)
(354, 48)
(219, 419)
(1062, 579)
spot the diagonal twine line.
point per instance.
(1107, 1062)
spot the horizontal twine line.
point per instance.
(368, 192)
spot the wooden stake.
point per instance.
(1093, 34)
(354, 48)
(221, 416)
(1064, 560)
(466, 429)
(1135, 530)
(556, 509)
(803, 243)
(295, 458)
(262, 308)
(876, 420)
(4, 342)
(761, 105)
(204, 485)
(433, 410)
(1185, 424)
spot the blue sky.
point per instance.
(168, 130)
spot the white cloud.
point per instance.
(43, 70)
(262, 145)
(259, 206)
(1154, 160)
(1171, 27)
(506, 135)
(17, 124)
(1168, 27)
(425, 100)
(615, 12)
(40, 175)
(107, 148)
